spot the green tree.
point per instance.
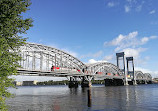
(12, 25)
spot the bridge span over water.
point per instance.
(41, 60)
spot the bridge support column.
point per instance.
(73, 83)
(145, 81)
(126, 81)
(85, 83)
(149, 82)
(138, 82)
(134, 82)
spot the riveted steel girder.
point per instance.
(105, 67)
(45, 57)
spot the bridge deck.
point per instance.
(63, 74)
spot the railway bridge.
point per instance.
(41, 60)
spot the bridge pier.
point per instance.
(73, 83)
(141, 82)
(85, 83)
(130, 82)
(133, 82)
(145, 82)
(149, 82)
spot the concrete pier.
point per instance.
(86, 84)
(73, 84)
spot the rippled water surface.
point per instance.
(62, 98)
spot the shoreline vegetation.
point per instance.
(65, 82)
(51, 82)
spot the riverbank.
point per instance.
(65, 82)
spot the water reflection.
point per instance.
(89, 98)
(62, 98)
(73, 91)
(56, 106)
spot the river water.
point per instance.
(62, 98)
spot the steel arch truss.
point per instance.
(104, 68)
(42, 58)
(139, 75)
(148, 76)
(143, 76)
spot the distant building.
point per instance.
(19, 83)
(35, 82)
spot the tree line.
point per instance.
(12, 26)
(65, 82)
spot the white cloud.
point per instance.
(152, 12)
(70, 52)
(131, 45)
(153, 37)
(92, 61)
(130, 1)
(108, 58)
(95, 61)
(95, 55)
(118, 40)
(139, 8)
(144, 40)
(127, 8)
(111, 4)
(133, 52)
(128, 41)
(133, 5)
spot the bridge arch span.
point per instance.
(139, 75)
(105, 67)
(148, 76)
(42, 58)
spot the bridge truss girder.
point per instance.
(41, 58)
(104, 67)
(143, 76)
(37, 57)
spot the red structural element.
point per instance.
(116, 74)
(108, 74)
(78, 70)
(57, 68)
(53, 67)
(99, 72)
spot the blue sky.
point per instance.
(94, 30)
